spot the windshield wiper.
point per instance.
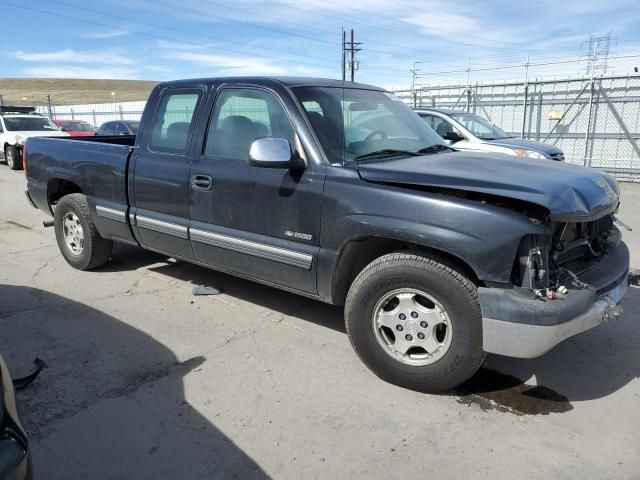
(438, 147)
(384, 153)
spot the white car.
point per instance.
(468, 131)
(16, 125)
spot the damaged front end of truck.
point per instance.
(568, 274)
(562, 284)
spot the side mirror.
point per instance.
(452, 136)
(273, 152)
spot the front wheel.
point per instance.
(78, 239)
(415, 322)
(12, 155)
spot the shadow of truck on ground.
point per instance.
(592, 365)
(110, 402)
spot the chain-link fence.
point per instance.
(95, 114)
(596, 122)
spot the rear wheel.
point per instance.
(13, 158)
(78, 239)
(415, 322)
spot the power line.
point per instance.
(402, 23)
(250, 25)
(200, 12)
(166, 27)
(262, 15)
(403, 48)
(403, 31)
(147, 34)
(531, 64)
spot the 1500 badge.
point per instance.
(301, 236)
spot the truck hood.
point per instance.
(568, 192)
(527, 145)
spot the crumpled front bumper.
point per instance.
(517, 325)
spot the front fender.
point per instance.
(483, 236)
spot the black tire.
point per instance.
(95, 251)
(13, 157)
(456, 293)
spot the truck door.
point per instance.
(261, 223)
(160, 204)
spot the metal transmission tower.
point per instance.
(598, 52)
(349, 50)
(415, 75)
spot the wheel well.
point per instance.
(358, 254)
(58, 188)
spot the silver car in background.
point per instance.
(468, 131)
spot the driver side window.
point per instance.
(241, 116)
(440, 125)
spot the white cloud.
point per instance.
(231, 65)
(451, 26)
(73, 56)
(82, 72)
(171, 45)
(104, 34)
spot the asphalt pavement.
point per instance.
(144, 380)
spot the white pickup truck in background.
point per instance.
(16, 125)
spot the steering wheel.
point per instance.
(380, 133)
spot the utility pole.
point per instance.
(49, 106)
(415, 74)
(349, 49)
(344, 55)
(469, 84)
(526, 93)
(593, 57)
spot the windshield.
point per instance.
(479, 127)
(76, 127)
(352, 123)
(29, 124)
(133, 126)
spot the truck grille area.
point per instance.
(573, 249)
(557, 156)
(578, 246)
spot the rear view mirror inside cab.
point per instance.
(363, 106)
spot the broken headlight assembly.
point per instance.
(531, 267)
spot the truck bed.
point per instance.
(127, 140)
(98, 164)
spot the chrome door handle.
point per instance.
(202, 182)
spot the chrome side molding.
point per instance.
(111, 214)
(277, 254)
(162, 227)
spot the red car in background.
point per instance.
(76, 128)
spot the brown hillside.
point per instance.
(34, 91)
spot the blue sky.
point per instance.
(167, 39)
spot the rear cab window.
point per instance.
(173, 121)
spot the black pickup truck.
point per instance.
(338, 191)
